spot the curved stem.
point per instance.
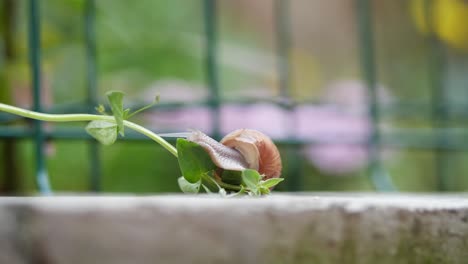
(229, 186)
(86, 117)
(220, 183)
(152, 135)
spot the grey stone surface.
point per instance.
(309, 228)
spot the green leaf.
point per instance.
(263, 190)
(188, 187)
(104, 131)
(115, 99)
(193, 160)
(271, 182)
(251, 178)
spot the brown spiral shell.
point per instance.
(258, 150)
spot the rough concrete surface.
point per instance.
(306, 228)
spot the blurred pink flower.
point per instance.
(265, 117)
(329, 123)
(180, 120)
(344, 120)
(341, 133)
(337, 159)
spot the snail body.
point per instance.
(242, 149)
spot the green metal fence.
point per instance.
(377, 175)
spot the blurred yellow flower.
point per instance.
(447, 19)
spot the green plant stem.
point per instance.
(86, 117)
(221, 184)
(142, 109)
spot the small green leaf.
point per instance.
(126, 113)
(193, 160)
(115, 99)
(271, 182)
(263, 190)
(105, 132)
(251, 178)
(101, 109)
(188, 187)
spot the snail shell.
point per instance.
(242, 149)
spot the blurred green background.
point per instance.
(146, 47)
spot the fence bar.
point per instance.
(378, 176)
(436, 62)
(283, 42)
(42, 178)
(282, 19)
(92, 93)
(406, 139)
(211, 24)
(9, 147)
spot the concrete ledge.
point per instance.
(311, 228)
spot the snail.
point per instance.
(242, 149)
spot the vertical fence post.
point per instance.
(42, 178)
(282, 20)
(436, 63)
(211, 41)
(283, 44)
(91, 95)
(379, 177)
(9, 149)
